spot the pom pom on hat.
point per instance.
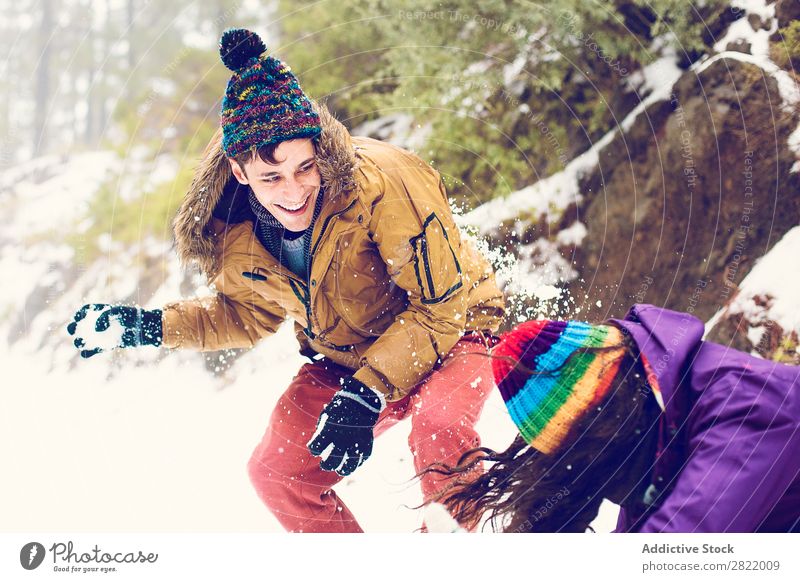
(238, 48)
(263, 102)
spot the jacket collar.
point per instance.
(668, 341)
(215, 199)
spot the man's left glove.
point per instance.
(100, 327)
(344, 429)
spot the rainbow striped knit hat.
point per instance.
(263, 102)
(545, 406)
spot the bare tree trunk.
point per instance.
(88, 136)
(225, 16)
(6, 128)
(130, 33)
(103, 47)
(42, 92)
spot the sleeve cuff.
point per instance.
(372, 379)
(170, 328)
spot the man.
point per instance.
(353, 239)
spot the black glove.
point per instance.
(345, 426)
(116, 326)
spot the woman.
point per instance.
(292, 218)
(685, 435)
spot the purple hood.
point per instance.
(728, 457)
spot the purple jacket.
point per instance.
(728, 456)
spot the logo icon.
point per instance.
(31, 555)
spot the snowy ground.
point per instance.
(163, 448)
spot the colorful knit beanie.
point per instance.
(263, 102)
(546, 404)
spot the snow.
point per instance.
(142, 173)
(147, 450)
(754, 334)
(543, 261)
(572, 235)
(385, 126)
(513, 69)
(164, 169)
(741, 29)
(759, 41)
(162, 447)
(21, 172)
(396, 128)
(659, 78)
(54, 202)
(758, 7)
(105, 340)
(787, 86)
(771, 277)
(794, 145)
(550, 196)
(438, 520)
(19, 264)
(536, 275)
(546, 292)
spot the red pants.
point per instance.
(443, 410)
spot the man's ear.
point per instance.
(238, 173)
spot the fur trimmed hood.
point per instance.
(216, 200)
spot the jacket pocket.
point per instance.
(435, 263)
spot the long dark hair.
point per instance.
(609, 455)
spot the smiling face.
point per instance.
(289, 188)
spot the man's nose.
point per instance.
(293, 190)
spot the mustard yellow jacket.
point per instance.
(392, 285)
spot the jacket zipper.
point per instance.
(300, 288)
(322, 231)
